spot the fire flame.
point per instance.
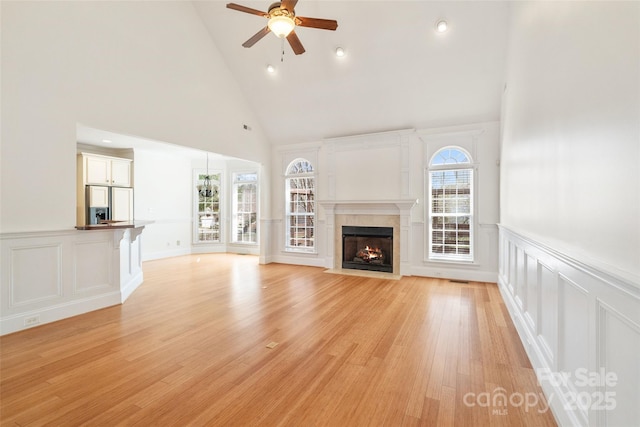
(369, 253)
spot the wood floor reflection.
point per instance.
(189, 347)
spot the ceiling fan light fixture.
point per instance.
(282, 21)
(281, 25)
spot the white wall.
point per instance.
(570, 203)
(163, 194)
(481, 141)
(147, 69)
(570, 151)
(136, 68)
(391, 166)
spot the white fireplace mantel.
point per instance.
(367, 207)
(401, 208)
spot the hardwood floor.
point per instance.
(189, 347)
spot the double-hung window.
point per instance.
(451, 205)
(208, 207)
(245, 208)
(301, 207)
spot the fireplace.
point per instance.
(367, 248)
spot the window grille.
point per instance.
(245, 208)
(300, 208)
(208, 209)
(451, 206)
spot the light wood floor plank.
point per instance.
(189, 347)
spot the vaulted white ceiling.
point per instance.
(398, 72)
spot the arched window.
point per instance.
(301, 206)
(451, 205)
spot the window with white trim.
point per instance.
(208, 207)
(245, 208)
(301, 207)
(451, 205)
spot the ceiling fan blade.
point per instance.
(288, 4)
(323, 24)
(257, 36)
(246, 9)
(295, 43)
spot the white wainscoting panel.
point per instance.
(548, 326)
(580, 327)
(46, 276)
(51, 275)
(619, 352)
(532, 304)
(98, 255)
(573, 323)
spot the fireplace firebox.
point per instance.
(367, 248)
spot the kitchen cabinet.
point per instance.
(98, 196)
(121, 173)
(104, 170)
(99, 181)
(122, 204)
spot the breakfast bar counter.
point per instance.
(114, 225)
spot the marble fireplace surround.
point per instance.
(369, 213)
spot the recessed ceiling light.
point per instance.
(339, 52)
(441, 26)
(107, 141)
(271, 69)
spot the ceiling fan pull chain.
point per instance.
(282, 49)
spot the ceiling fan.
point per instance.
(282, 21)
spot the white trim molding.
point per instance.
(580, 327)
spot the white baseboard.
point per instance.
(203, 249)
(265, 260)
(243, 249)
(167, 254)
(455, 274)
(16, 322)
(131, 286)
(310, 261)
